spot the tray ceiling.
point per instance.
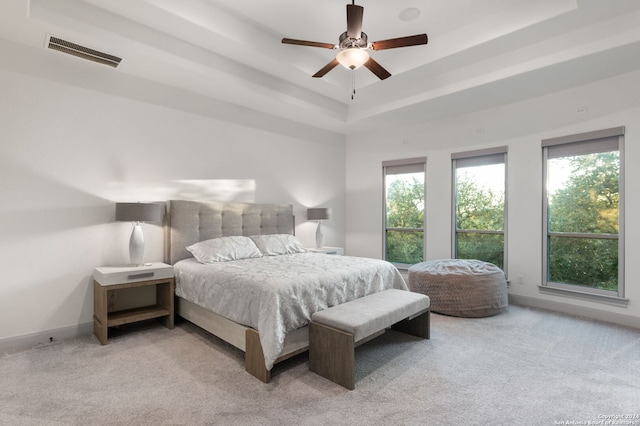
(480, 53)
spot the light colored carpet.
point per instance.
(524, 367)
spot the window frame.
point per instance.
(481, 157)
(407, 165)
(572, 145)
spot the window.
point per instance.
(582, 213)
(479, 205)
(404, 218)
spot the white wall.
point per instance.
(67, 154)
(521, 126)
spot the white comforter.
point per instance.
(277, 294)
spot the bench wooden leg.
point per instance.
(418, 326)
(332, 354)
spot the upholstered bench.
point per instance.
(335, 332)
(461, 287)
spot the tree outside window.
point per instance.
(583, 220)
(404, 211)
(583, 213)
(479, 206)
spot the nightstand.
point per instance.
(110, 279)
(328, 250)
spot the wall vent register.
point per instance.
(83, 52)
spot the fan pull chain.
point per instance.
(353, 84)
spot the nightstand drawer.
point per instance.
(111, 275)
(328, 250)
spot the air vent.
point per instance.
(64, 46)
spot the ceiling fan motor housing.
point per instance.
(347, 42)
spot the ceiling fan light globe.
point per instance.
(352, 57)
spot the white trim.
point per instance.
(43, 338)
(589, 294)
(581, 311)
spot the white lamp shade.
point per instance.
(353, 57)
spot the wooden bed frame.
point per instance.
(188, 222)
(244, 338)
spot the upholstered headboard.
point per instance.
(188, 222)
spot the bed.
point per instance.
(259, 302)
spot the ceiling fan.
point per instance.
(354, 47)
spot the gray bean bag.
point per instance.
(461, 287)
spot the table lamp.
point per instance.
(137, 213)
(319, 214)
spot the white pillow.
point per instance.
(224, 249)
(276, 244)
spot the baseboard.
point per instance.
(43, 338)
(48, 337)
(580, 311)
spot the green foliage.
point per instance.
(405, 213)
(584, 262)
(479, 209)
(405, 202)
(586, 204)
(405, 247)
(485, 247)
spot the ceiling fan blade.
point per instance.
(331, 65)
(377, 69)
(393, 43)
(308, 43)
(354, 21)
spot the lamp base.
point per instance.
(136, 245)
(319, 236)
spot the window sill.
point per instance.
(577, 294)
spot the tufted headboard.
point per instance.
(188, 222)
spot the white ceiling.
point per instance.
(480, 53)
